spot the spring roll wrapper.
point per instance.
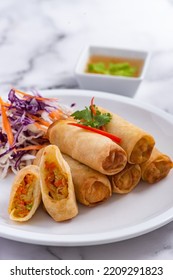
(137, 143)
(92, 149)
(157, 167)
(33, 170)
(125, 181)
(65, 208)
(91, 187)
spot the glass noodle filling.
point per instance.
(142, 150)
(158, 170)
(114, 160)
(56, 181)
(128, 178)
(23, 199)
(97, 193)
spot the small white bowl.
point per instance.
(115, 84)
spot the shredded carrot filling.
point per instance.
(23, 199)
(56, 182)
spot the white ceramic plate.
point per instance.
(123, 216)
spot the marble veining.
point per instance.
(40, 42)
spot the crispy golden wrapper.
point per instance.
(137, 143)
(157, 167)
(91, 187)
(92, 149)
(56, 185)
(125, 181)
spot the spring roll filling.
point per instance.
(142, 150)
(56, 181)
(124, 182)
(97, 192)
(23, 199)
(158, 170)
(127, 179)
(114, 160)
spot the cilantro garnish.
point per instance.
(92, 116)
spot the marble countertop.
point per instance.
(40, 42)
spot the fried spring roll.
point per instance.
(89, 148)
(125, 181)
(157, 167)
(25, 194)
(56, 185)
(137, 143)
(91, 187)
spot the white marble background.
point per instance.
(40, 41)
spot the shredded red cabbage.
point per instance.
(20, 110)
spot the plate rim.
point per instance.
(88, 239)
